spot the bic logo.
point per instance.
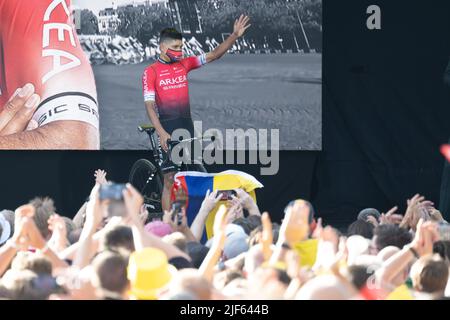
(374, 19)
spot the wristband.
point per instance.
(286, 246)
(414, 252)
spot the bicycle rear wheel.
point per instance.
(147, 180)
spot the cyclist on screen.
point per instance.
(166, 91)
(40, 53)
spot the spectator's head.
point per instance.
(178, 240)
(430, 275)
(111, 274)
(325, 287)
(197, 252)
(365, 213)
(178, 296)
(74, 236)
(255, 235)
(222, 279)
(361, 228)
(26, 285)
(6, 225)
(244, 224)
(70, 225)
(191, 281)
(443, 249)
(35, 262)
(235, 243)
(254, 222)
(171, 43)
(44, 209)
(149, 273)
(158, 228)
(359, 274)
(119, 237)
(390, 235)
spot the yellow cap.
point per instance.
(400, 293)
(149, 272)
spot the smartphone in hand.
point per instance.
(112, 191)
(227, 194)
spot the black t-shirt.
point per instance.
(181, 263)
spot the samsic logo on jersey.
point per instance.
(66, 109)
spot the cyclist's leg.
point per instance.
(40, 46)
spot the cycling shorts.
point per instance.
(187, 132)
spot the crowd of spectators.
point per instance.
(119, 50)
(117, 250)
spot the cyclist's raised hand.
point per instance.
(241, 25)
(164, 137)
(18, 111)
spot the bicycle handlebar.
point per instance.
(174, 143)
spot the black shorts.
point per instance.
(170, 126)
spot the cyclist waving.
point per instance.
(166, 91)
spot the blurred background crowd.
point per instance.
(127, 33)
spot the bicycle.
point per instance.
(147, 176)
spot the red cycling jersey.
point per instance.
(39, 45)
(167, 85)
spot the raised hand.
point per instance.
(295, 227)
(58, 240)
(93, 211)
(266, 236)
(210, 201)
(133, 203)
(100, 176)
(172, 219)
(244, 197)
(247, 202)
(220, 221)
(235, 210)
(18, 111)
(391, 217)
(426, 235)
(241, 25)
(415, 211)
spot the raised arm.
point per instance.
(198, 225)
(142, 238)
(240, 26)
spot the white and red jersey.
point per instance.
(39, 45)
(167, 85)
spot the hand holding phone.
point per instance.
(112, 191)
(177, 212)
(226, 195)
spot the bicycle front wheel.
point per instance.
(146, 179)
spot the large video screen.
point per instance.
(268, 84)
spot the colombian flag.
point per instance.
(196, 184)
